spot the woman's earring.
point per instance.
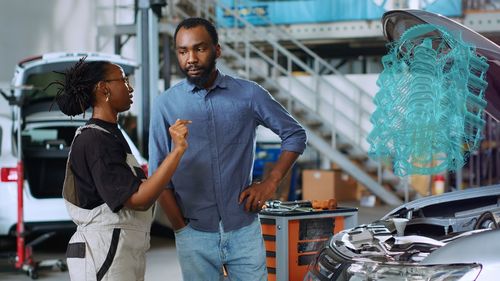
(107, 97)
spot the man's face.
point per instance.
(196, 54)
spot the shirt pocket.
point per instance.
(235, 123)
(198, 128)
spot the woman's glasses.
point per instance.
(124, 79)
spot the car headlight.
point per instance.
(325, 268)
(373, 271)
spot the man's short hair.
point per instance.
(194, 22)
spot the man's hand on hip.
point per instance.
(257, 194)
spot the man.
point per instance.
(211, 201)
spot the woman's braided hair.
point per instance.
(76, 92)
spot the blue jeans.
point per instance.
(202, 254)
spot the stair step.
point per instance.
(344, 147)
(313, 124)
(326, 134)
(282, 100)
(299, 112)
(370, 165)
(390, 178)
(359, 156)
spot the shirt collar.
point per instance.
(220, 82)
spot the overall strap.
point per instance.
(69, 190)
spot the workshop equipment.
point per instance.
(285, 206)
(24, 260)
(294, 231)
(300, 205)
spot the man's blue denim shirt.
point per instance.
(217, 166)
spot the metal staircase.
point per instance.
(333, 115)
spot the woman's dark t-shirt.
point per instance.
(98, 162)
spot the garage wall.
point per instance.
(30, 28)
(33, 27)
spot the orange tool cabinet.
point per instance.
(292, 238)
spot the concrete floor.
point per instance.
(162, 263)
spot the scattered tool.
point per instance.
(301, 205)
(330, 204)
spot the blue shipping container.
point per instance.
(263, 12)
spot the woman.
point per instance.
(106, 192)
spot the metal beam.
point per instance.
(147, 38)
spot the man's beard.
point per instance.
(201, 80)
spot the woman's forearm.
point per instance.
(150, 189)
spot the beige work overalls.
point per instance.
(106, 245)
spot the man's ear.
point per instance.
(217, 51)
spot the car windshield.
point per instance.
(37, 85)
(38, 96)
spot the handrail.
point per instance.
(269, 60)
(317, 60)
(295, 59)
(285, 35)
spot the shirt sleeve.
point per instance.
(159, 137)
(113, 178)
(271, 114)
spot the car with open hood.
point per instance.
(453, 236)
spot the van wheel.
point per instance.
(33, 273)
(62, 266)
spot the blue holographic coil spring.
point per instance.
(430, 106)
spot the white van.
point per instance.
(46, 137)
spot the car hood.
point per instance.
(429, 236)
(443, 201)
(376, 252)
(396, 22)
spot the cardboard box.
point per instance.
(421, 184)
(346, 187)
(326, 184)
(317, 184)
